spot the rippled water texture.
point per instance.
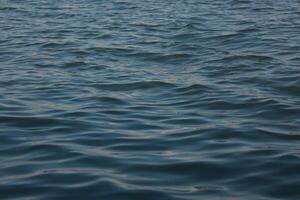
(158, 100)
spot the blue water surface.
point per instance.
(158, 100)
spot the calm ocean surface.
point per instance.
(150, 100)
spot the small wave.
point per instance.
(113, 50)
(74, 64)
(257, 58)
(134, 86)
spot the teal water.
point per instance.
(158, 100)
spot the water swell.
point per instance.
(149, 100)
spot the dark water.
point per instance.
(152, 99)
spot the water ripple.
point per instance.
(151, 99)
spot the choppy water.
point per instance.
(152, 99)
